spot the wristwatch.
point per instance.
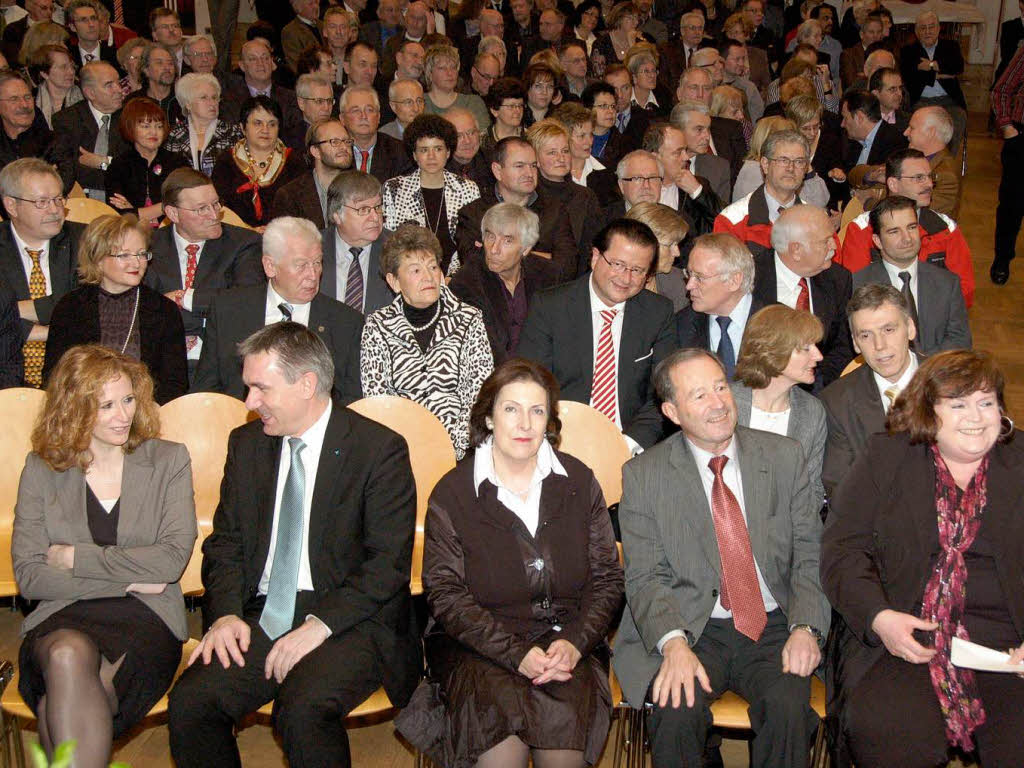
(808, 628)
(105, 164)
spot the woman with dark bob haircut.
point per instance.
(924, 546)
(523, 583)
(103, 529)
(430, 195)
(778, 353)
(505, 101)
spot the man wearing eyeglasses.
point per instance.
(24, 130)
(416, 20)
(198, 256)
(372, 151)
(38, 252)
(908, 173)
(485, 70)
(314, 96)
(407, 102)
(83, 18)
(930, 130)
(602, 334)
(640, 176)
(256, 61)
(329, 146)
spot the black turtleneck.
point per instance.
(417, 319)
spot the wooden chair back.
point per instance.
(593, 438)
(84, 209)
(853, 209)
(18, 410)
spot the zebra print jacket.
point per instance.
(446, 379)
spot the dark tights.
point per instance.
(80, 702)
(514, 753)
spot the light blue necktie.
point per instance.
(279, 610)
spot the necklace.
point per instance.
(440, 208)
(437, 314)
(135, 314)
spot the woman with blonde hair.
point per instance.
(750, 177)
(642, 62)
(103, 529)
(731, 103)
(441, 76)
(53, 72)
(38, 35)
(671, 229)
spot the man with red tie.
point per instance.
(722, 543)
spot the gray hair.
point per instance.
(636, 154)
(284, 230)
(348, 187)
(808, 28)
(299, 351)
(13, 175)
(733, 254)
(662, 376)
(187, 85)
(503, 217)
(693, 16)
(393, 88)
(924, 15)
(490, 43)
(192, 40)
(343, 99)
(783, 137)
(680, 114)
(791, 227)
(938, 119)
(306, 82)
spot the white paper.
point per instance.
(973, 656)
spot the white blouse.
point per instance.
(526, 509)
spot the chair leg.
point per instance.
(820, 757)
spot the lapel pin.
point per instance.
(337, 452)
(320, 329)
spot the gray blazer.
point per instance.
(155, 534)
(716, 170)
(806, 426)
(673, 570)
(942, 313)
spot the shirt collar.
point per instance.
(790, 278)
(894, 272)
(883, 383)
(483, 465)
(182, 243)
(21, 243)
(702, 457)
(650, 99)
(870, 138)
(740, 312)
(274, 298)
(596, 305)
(98, 116)
(774, 205)
(313, 437)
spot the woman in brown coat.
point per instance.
(523, 583)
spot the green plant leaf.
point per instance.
(35, 751)
(63, 753)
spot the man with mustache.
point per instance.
(25, 132)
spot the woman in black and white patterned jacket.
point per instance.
(430, 195)
(426, 345)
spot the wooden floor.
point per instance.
(997, 321)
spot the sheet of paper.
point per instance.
(973, 656)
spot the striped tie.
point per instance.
(34, 350)
(354, 283)
(119, 12)
(603, 394)
(191, 265)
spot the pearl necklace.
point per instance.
(437, 314)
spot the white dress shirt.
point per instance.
(528, 509)
(95, 53)
(273, 313)
(894, 277)
(344, 264)
(597, 306)
(787, 286)
(26, 261)
(590, 164)
(901, 383)
(738, 317)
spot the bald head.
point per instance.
(876, 60)
(803, 238)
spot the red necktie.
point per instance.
(119, 12)
(603, 394)
(363, 161)
(741, 593)
(192, 249)
(803, 299)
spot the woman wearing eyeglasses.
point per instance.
(506, 102)
(539, 82)
(113, 308)
(201, 138)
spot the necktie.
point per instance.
(89, 57)
(620, 121)
(354, 283)
(603, 394)
(689, 55)
(119, 12)
(103, 137)
(891, 393)
(279, 610)
(725, 350)
(803, 299)
(741, 593)
(192, 249)
(286, 311)
(364, 160)
(33, 351)
(909, 296)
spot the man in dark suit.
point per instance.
(83, 19)
(720, 278)
(688, 194)
(857, 403)
(871, 139)
(602, 334)
(932, 293)
(353, 241)
(314, 97)
(327, 142)
(197, 256)
(726, 136)
(639, 175)
(722, 589)
(631, 120)
(372, 151)
(387, 25)
(851, 62)
(14, 33)
(693, 119)
(256, 61)
(86, 137)
(38, 252)
(12, 367)
(307, 569)
(799, 273)
(293, 263)
(931, 69)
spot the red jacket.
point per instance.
(942, 243)
(747, 218)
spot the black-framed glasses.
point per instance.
(485, 76)
(124, 258)
(45, 202)
(335, 143)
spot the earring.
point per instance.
(1004, 421)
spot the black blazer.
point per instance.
(389, 159)
(951, 62)
(729, 143)
(605, 184)
(233, 259)
(298, 198)
(12, 368)
(698, 214)
(376, 292)
(75, 127)
(35, 141)
(133, 177)
(236, 92)
(558, 334)
(76, 320)
(830, 291)
(887, 140)
(63, 270)
(360, 537)
(237, 314)
(475, 284)
(691, 327)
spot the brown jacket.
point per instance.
(946, 193)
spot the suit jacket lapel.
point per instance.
(329, 277)
(583, 321)
(693, 502)
(71, 496)
(135, 484)
(333, 455)
(867, 405)
(757, 492)
(13, 271)
(318, 320)
(267, 455)
(629, 347)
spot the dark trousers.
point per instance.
(780, 713)
(892, 718)
(1011, 201)
(309, 706)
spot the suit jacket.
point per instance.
(888, 139)
(476, 285)
(830, 291)
(879, 540)
(718, 172)
(107, 53)
(296, 37)
(941, 312)
(76, 320)
(63, 270)
(237, 314)
(75, 127)
(233, 259)
(951, 62)
(729, 143)
(376, 292)
(12, 368)
(558, 334)
(236, 92)
(389, 159)
(673, 567)
(851, 64)
(690, 327)
(298, 198)
(360, 537)
(155, 533)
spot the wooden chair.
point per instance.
(76, 190)
(18, 410)
(853, 365)
(84, 209)
(593, 438)
(853, 209)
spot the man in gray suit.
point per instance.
(694, 120)
(933, 294)
(352, 243)
(722, 545)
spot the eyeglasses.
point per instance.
(920, 178)
(419, 102)
(517, 107)
(604, 106)
(166, 27)
(366, 210)
(206, 209)
(124, 258)
(319, 102)
(620, 268)
(789, 163)
(23, 99)
(643, 179)
(200, 54)
(335, 143)
(647, 71)
(689, 274)
(364, 111)
(485, 76)
(44, 203)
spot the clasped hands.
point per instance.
(557, 663)
(229, 639)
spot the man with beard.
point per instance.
(158, 75)
(327, 142)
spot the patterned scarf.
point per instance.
(944, 596)
(259, 177)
